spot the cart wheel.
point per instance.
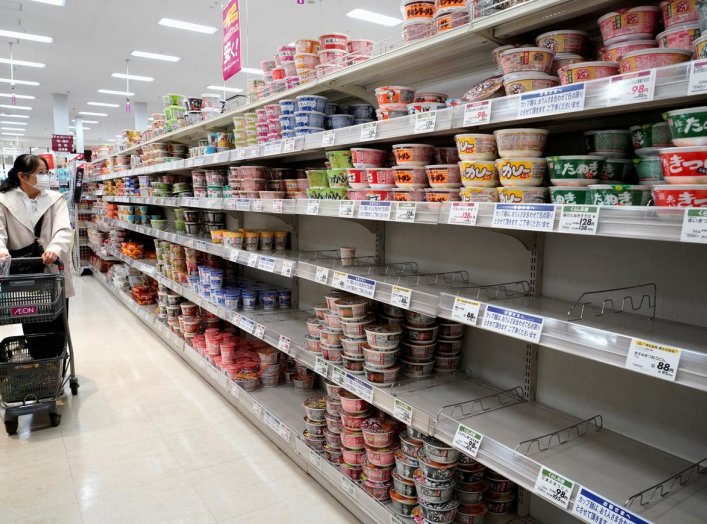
(54, 419)
(11, 426)
(74, 388)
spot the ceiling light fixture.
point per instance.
(133, 77)
(89, 113)
(187, 26)
(374, 18)
(111, 92)
(58, 3)
(155, 56)
(13, 123)
(111, 140)
(89, 121)
(227, 89)
(101, 104)
(21, 108)
(18, 82)
(23, 63)
(12, 129)
(24, 97)
(12, 134)
(26, 36)
(252, 71)
(5, 115)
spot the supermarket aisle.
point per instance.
(147, 441)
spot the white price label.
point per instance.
(349, 486)
(240, 154)
(236, 320)
(405, 212)
(513, 323)
(257, 409)
(338, 376)
(328, 138)
(315, 458)
(467, 440)
(581, 220)
(234, 389)
(242, 204)
(653, 359)
(321, 366)
(284, 344)
(477, 113)
(233, 255)
(266, 264)
(228, 204)
(258, 205)
(592, 508)
(259, 331)
(200, 245)
(554, 487)
(322, 275)
(694, 226)
(252, 260)
(531, 217)
(466, 311)
(247, 325)
(374, 210)
(631, 88)
(346, 209)
(552, 101)
(339, 280)
(401, 297)
(273, 148)
(359, 387)
(425, 122)
(288, 145)
(463, 213)
(253, 151)
(402, 411)
(361, 286)
(288, 267)
(369, 131)
(277, 206)
(313, 207)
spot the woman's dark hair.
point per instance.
(27, 164)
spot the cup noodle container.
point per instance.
(639, 23)
(450, 19)
(564, 41)
(677, 12)
(333, 57)
(615, 52)
(563, 59)
(527, 59)
(306, 46)
(680, 195)
(525, 81)
(360, 47)
(417, 30)
(684, 165)
(306, 61)
(652, 58)
(680, 36)
(333, 41)
(418, 10)
(584, 71)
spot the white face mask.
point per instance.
(42, 182)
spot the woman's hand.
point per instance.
(49, 257)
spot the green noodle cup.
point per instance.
(609, 142)
(649, 169)
(316, 193)
(317, 178)
(651, 135)
(338, 178)
(688, 127)
(334, 193)
(568, 195)
(618, 195)
(618, 171)
(575, 170)
(339, 159)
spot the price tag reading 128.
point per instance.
(463, 213)
(580, 220)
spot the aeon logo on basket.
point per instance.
(23, 311)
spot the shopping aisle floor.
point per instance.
(147, 441)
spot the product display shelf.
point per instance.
(276, 412)
(607, 338)
(514, 431)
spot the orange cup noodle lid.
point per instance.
(267, 233)
(281, 233)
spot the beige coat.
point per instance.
(17, 226)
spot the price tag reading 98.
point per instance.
(554, 487)
(477, 113)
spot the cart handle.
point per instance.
(58, 262)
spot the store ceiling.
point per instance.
(93, 38)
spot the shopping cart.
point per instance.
(33, 368)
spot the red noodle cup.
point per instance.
(381, 456)
(680, 195)
(418, 10)
(388, 111)
(584, 71)
(278, 73)
(306, 61)
(679, 36)
(450, 18)
(352, 439)
(413, 154)
(380, 177)
(334, 57)
(364, 157)
(395, 95)
(684, 165)
(651, 58)
(286, 53)
(333, 41)
(418, 30)
(352, 421)
(679, 12)
(353, 456)
(564, 41)
(377, 473)
(444, 176)
(357, 178)
(615, 52)
(351, 471)
(306, 46)
(410, 177)
(527, 59)
(350, 403)
(360, 47)
(639, 23)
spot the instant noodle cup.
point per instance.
(680, 36)
(478, 194)
(444, 176)
(526, 81)
(521, 142)
(515, 172)
(615, 52)
(476, 146)
(527, 59)
(684, 165)
(418, 10)
(677, 12)
(564, 41)
(522, 195)
(638, 23)
(583, 71)
(652, 58)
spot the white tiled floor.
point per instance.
(147, 441)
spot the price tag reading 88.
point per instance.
(322, 275)
(554, 487)
(284, 344)
(466, 311)
(401, 297)
(652, 359)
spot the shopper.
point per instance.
(34, 222)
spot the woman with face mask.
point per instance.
(34, 222)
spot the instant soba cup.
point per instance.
(575, 170)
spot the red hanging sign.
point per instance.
(63, 143)
(231, 62)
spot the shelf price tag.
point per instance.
(257, 409)
(477, 113)
(284, 344)
(361, 286)
(580, 220)
(259, 331)
(288, 267)
(694, 226)
(467, 440)
(247, 325)
(513, 323)
(338, 376)
(252, 260)
(346, 209)
(200, 245)
(288, 145)
(463, 213)
(273, 148)
(349, 486)
(552, 101)
(234, 254)
(591, 508)
(402, 411)
(313, 207)
(322, 275)
(339, 280)
(328, 138)
(240, 154)
(369, 131)
(554, 487)
(243, 204)
(257, 205)
(425, 122)
(253, 151)
(234, 389)
(632, 88)
(374, 210)
(466, 311)
(653, 359)
(277, 206)
(401, 297)
(266, 264)
(315, 458)
(321, 366)
(359, 387)
(229, 204)
(530, 217)
(405, 212)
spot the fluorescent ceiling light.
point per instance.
(187, 26)
(89, 113)
(101, 104)
(227, 89)
(22, 97)
(89, 121)
(18, 82)
(13, 116)
(21, 108)
(111, 92)
(26, 36)
(111, 140)
(12, 134)
(375, 18)
(252, 71)
(24, 63)
(58, 3)
(12, 129)
(156, 56)
(133, 77)
(13, 123)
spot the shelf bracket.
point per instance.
(561, 436)
(665, 488)
(502, 291)
(643, 294)
(470, 408)
(537, 259)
